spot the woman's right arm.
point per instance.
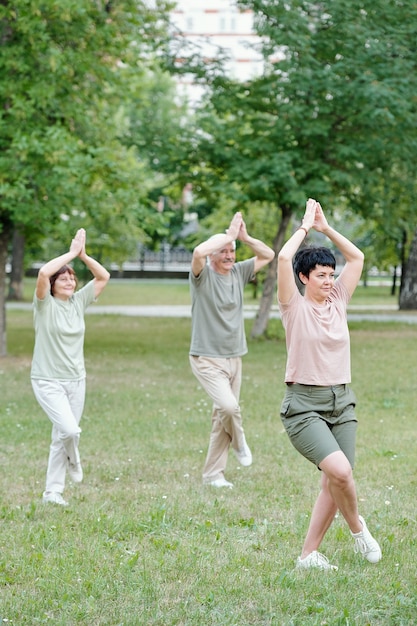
(285, 273)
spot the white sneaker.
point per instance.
(315, 560)
(53, 497)
(366, 545)
(221, 482)
(244, 455)
(75, 471)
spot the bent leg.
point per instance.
(221, 379)
(322, 516)
(63, 402)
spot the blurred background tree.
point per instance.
(93, 130)
(64, 68)
(332, 117)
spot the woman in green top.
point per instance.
(58, 372)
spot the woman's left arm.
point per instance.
(354, 257)
(101, 275)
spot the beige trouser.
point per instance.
(221, 379)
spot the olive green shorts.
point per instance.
(320, 420)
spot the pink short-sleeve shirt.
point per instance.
(317, 337)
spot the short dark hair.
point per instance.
(62, 270)
(308, 257)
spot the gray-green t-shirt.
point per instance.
(59, 335)
(217, 327)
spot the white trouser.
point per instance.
(63, 402)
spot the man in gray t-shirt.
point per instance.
(218, 338)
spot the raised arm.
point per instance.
(51, 267)
(285, 273)
(213, 244)
(354, 257)
(263, 253)
(77, 248)
(101, 275)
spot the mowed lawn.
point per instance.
(144, 543)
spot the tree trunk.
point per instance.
(365, 274)
(16, 276)
(408, 293)
(394, 281)
(4, 240)
(262, 317)
(403, 261)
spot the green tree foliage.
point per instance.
(333, 116)
(158, 123)
(63, 66)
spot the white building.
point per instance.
(210, 25)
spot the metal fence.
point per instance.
(167, 261)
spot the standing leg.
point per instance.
(218, 450)
(322, 516)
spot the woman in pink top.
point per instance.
(318, 410)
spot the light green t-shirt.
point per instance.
(217, 327)
(59, 335)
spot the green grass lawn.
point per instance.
(144, 543)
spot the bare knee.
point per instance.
(337, 470)
(341, 479)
